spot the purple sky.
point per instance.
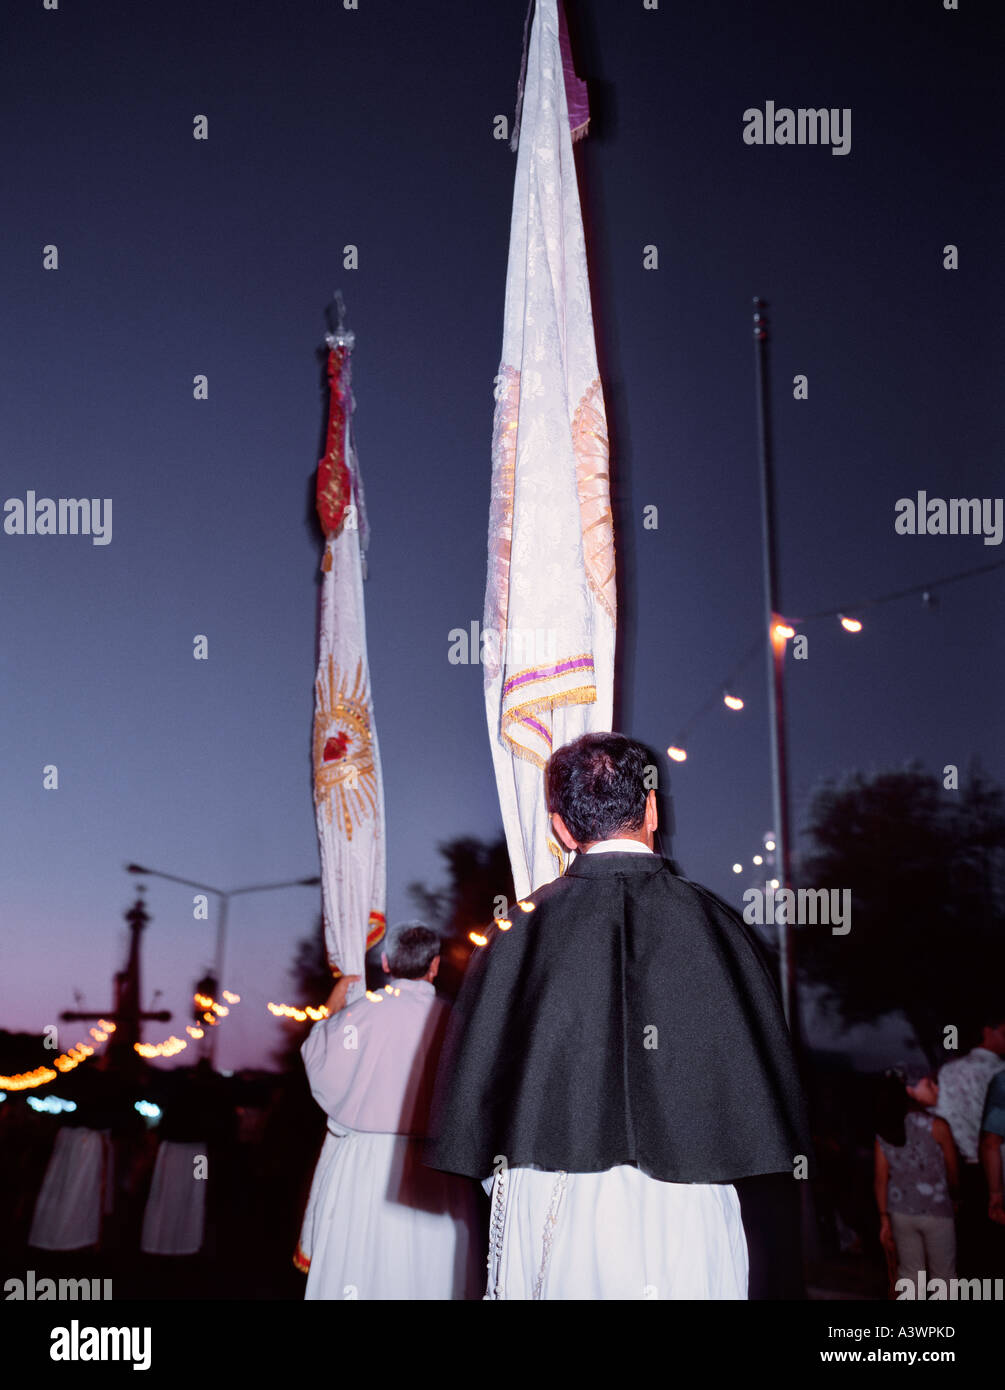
(374, 127)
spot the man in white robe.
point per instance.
(619, 1234)
(617, 1059)
(383, 1226)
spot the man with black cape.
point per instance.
(617, 1059)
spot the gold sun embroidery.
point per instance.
(344, 772)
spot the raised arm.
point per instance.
(943, 1136)
(881, 1180)
(990, 1150)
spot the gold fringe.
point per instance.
(583, 695)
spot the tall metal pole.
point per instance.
(224, 896)
(221, 940)
(776, 702)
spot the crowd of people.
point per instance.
(151, 1175)
(610, 1110)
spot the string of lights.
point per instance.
(482, 938)
(65, 1062)
(168, 1047)
(302, 1015)
(212, 1012)
(299, 1015)
(786, 630)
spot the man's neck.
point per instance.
(627, 843)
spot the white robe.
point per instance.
(175, 1215)
(384, 1226)
(78, 1188)
(618, 1235)
(379, 1223)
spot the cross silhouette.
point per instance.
(127, 1015)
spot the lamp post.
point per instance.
(778, 635)
(223, 896)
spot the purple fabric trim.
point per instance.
(538, 728)
(580, 663)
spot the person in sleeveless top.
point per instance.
(916, 1179)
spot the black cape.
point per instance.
(629, 1019)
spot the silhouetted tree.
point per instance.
(926, 870)
(312, 983)
(478, 877)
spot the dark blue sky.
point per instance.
(326, 127)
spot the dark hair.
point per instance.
(411, 951)
(597, 785)
(892, 1101)
(991, 1018)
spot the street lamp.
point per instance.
(779, 633)
(224, 895)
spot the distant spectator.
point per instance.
(963, 1089)
(916, 1178)
(992, 1132)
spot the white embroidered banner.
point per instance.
(550, 609)
(348, 786)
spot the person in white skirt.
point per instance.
(381, 1224)
(174, 1220)
(77, 1196)
(77, 1192)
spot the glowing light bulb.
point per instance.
(737, 868)
(732, 701)
(851, 625)
(758, 859)
(678, 754)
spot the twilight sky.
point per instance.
(374, 127)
